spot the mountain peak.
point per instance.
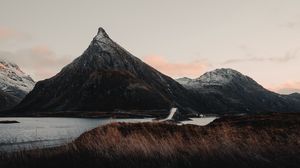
(221, 76)
(107, 77)
(101, 34)
(13, 80)
(6, 66)
(227, 71)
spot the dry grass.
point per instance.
(256, 141)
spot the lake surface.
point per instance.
(33, 133)
(200, 121)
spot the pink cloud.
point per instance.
(8, 33)
(287, 87)
(41, 50)
(39, 62)
(176, 69)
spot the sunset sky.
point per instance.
(260, 38)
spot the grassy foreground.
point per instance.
(271, 140)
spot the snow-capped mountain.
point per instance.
(227, 91)
(218, 77)
(106, 77)
(13, 80)
(14, 84)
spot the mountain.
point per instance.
(7, 101)
(184, 81)
(106, 77)
(294, 96)
(13, 80)
(14, 84)
(229, 91)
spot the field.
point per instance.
(270, 140)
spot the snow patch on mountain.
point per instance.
(216, 77)
(13, 80)
(220, 77)
(184, 80)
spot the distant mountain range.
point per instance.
(108, 78)
(14, 84)
(229, 91)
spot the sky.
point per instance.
(259, 38)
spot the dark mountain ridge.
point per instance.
(104, 78)
(7, 101)
(294, 96)
(229, 91)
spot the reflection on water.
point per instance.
(33, 133)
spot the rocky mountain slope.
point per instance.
(106, 77)
(294, 96)
(13, 80)
(7, 101)
(14, 84)
(229, 91)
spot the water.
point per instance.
(200, 121)
(32, 133)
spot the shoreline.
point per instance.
(9, 121)
(269, 140)
(40, 143)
